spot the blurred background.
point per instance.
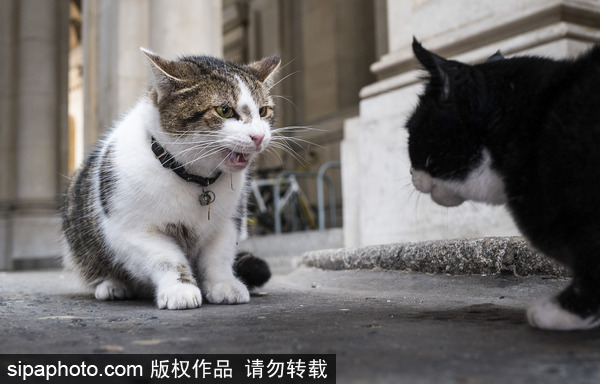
(69, 68)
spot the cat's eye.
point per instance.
(224, 111)
(263, 111)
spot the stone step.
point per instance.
(483, 256)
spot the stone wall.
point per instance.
(33, 128)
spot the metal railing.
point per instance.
(321, 195)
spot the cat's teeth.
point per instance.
(242, 157)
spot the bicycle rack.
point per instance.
(279, 202)
(321, 198)
(294, 191)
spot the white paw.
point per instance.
(228, 292)
(111, 290)
(179, 296)
(548, 314)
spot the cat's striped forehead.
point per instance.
(202, 83)
(217, 80)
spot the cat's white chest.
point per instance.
(201, 207)
(153, 195)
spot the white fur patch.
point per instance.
(246, 100)
(178, 296)
(231, 292)
(111, 290)
(548, 314)
(483, 184)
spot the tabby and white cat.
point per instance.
(159, 205)
(524, 132)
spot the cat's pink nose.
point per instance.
(257, 139)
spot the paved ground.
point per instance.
(384, 327)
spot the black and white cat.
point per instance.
(524, 132)
(159, 205)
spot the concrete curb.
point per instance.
(491, 255)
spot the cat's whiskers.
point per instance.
(287, 148)
(409, 185)
(184, 138)
(202, 146)
(203, 154)
(203, 139)
(198, 145)
(224, 158)
(286, 99)
(278, 134)
(297, 141)
(198, 154)
(282, 79)
(282, 66)
(286, 142)
(475, 207)
(271, 152)
(295, 129)
(416, 212)
(199, 158)
(182, 135)
(413, 193)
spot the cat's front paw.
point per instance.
(548, 314)
(111, 290)
(179, 296)
(228, 292)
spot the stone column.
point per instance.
(8, 58)
(179, 27)
(34, 98)
(115, 71)
(385, 206)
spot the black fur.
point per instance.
(540, 121)
(108, 180)
(251, 270)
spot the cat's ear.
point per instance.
(495, 57)
(437, 66)
(163, 71)
(264, 68)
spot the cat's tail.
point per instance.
(251, 270)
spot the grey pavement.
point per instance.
(384, 326)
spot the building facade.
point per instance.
(348, 81)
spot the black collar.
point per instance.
(168, 161)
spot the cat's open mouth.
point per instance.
(239, 160)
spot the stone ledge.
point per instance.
(490, 255)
